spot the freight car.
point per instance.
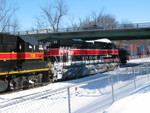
(23, 64)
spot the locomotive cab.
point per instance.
(31, 58)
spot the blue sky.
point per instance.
(135, 11)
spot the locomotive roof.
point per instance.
(52, 39)
(29, 39)
(70, 41)
(63, 41)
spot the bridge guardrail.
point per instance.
(79, 29)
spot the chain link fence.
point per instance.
(90, 96)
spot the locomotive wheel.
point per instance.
(38, 79)
(4, 85)
(11, 85)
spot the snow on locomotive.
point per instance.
(73, 58)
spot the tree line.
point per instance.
(52, 16)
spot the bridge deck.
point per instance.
(113, 34)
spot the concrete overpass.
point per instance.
(113, 34)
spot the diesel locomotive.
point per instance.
(25, 62)
(75, 58)
(21, 63)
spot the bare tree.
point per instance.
(73, 23)
(126, 24)
(7, 10)
(53, 15)
(108, 22)
(98, 20)
(39, 23)
(15, 25)
(96, 16)
(85, 23)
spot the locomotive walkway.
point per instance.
(124, 32)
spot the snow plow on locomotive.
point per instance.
(25, 62)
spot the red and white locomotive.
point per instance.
(72, 58)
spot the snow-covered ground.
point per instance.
(94, 97)
(137, 102)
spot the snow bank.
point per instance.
(138, 102)
(140, 60)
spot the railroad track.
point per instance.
(34, 96)
(21, 99)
